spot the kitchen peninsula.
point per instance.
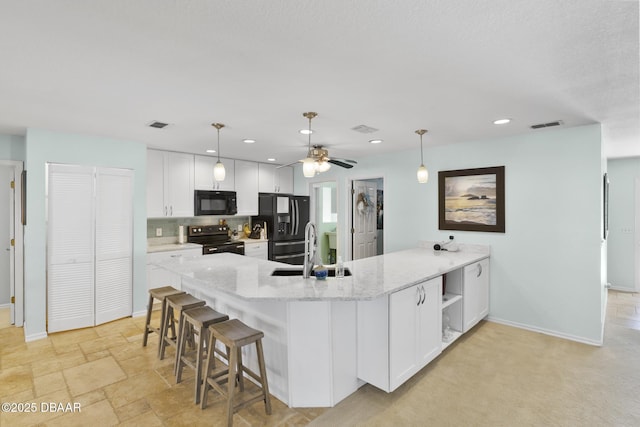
(323, 339)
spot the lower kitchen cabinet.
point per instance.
(476, 293)
(157, 276)
(257, 249)
(399, 334)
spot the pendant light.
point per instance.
(218, 171)
(309, 163)
(423, 173)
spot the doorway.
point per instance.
(367, 219)
(325, 211)
(11, 246)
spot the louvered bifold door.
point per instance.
(114, 246)
(70, 247)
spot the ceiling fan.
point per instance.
(318, 159)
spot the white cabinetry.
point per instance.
(169, 184)
(246, 187)
(274, 179)
(203, 171)
(257, 249)
(476, 293)
(399, 334)
(157, 276)
(284, 180)
(267, 178)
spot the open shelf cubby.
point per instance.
(452, 305)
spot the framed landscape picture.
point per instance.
(471, 199)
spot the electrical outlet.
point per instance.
(159, 232)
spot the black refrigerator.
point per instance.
(286, 216)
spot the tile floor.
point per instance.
(116, 381)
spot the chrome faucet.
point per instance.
(310, 245)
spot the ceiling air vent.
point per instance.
(364, 129)
(547, 125)
(158, 125)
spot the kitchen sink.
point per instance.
(298, 272)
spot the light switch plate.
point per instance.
(158, 232)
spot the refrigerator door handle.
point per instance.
(293, 216)
(297, 214)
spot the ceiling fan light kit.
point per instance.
(423, 173)
(318, 160)
(219, 172)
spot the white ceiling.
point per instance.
(109, 67)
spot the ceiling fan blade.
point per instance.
(341, 163)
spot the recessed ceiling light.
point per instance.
(211, 151)
(271, 159)
(248, 141)
(305, 131)
(501, 121)
(375, 141)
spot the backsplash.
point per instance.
(169, 226)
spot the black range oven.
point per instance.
(214, 239)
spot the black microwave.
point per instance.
(215, 202)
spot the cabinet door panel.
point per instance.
(267, 177)
(430, 328)
(476, 293)
(155, 184)
(403, 339)
(180, 184)
(284, 180)
(247, 187)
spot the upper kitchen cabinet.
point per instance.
(169, 184)
(275, 180)
(247, 187)
(204, 180)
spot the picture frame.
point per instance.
(472, 199)
(605, 206)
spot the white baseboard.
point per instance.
(547, 332)
(33, 337)
(5, 305)
(140, 313)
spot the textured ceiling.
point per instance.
(108, 68)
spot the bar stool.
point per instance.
(181, 303)
(159, 294)
(235, 335)
(196, 321)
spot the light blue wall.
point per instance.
(622, 246)
(546, 270)
(46, 146)
(12, 147)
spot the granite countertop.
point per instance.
(250, 278)
(165, 247)
(248, 240)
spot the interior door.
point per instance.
(70, 247)
(114, 246)
(364, 219)
(6, 250)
